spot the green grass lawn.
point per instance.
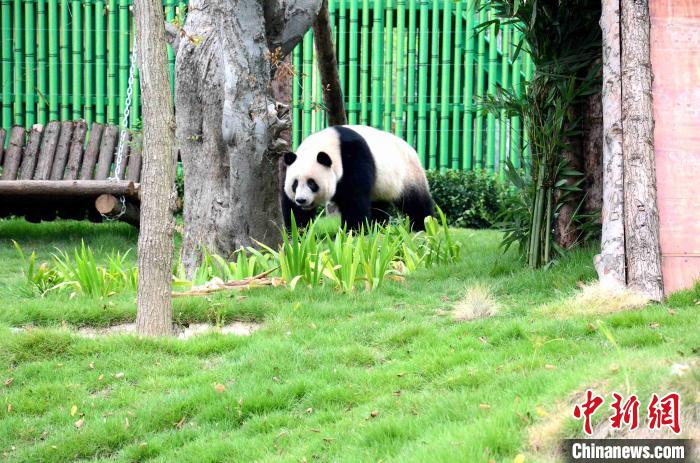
(387, 375)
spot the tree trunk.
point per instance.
(642, 247)
(610, 263)
(328, 68)
(227, 123)
(154, 315)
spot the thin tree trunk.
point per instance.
(610, 263)
(154, 315)
(642, 248)
(228, 125)
(328, 68)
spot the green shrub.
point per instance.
(469, 199)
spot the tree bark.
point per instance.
(642, 247)
(155, 247)
(228, 126)
(610, 263)
(328, 68)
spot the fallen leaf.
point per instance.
(220, 388)
(484, 406)
(309, 410)
(9, 408)
(143, 444)
(180, 423)
(483, 339)
(79, 424)
(654, 325)
(100, 378)
(119, 375)
(275, 379)
(541, 411)
(550, 367)
(126, 422)
(374, 414)
(397, 393)
(520, 458)
(73, 410)
(9, 381)
(91, 366)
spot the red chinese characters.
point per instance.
(665, 412)
(587, 409)
(627, 413)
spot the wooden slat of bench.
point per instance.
(13, 155)
(31, 153)
(76, 151)
(48, 150)
(134, 169)
(61, 157)
(125, 155)
(75, 188)
(109, 142)
(93, 148)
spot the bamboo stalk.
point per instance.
(341, 42)
(296, 98)
(527, 149)
(42, 62)
(307, 87)
(434, 76)
(100, 115)
(480, 81)
(445, 86)
(77, 56)
(112, 49)
(387, 71)
(400, 66)
(503, 119)
(64, 42)
(29, 63)
(18, 116)
(491, 117)
(89, 61)
(6, 38)
(457, 88)
(515, 136)
(53, 60)
(123, 38)
(3, 132)
(411, 79)
(318, 107)
(424, 43)
(353, 64)
(377, 59)
(364, 65)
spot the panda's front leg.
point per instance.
(301, 217)
(355, 212)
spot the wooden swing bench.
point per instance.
(54, 175)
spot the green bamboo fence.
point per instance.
(416, 68)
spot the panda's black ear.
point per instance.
(289, 158)
(324, 159)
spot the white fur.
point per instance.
(397, 166)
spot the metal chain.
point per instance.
(122, 135)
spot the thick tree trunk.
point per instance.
(610, 263)
(227, 123)
(642, 247)
(154, 315)
(328, 68)
(593, 153)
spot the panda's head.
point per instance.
(313, 172)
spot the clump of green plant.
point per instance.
(469, 199)
(80, 272)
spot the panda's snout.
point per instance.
(301, 201)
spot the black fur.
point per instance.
(352, 195)
(417, 204)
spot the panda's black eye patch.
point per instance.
(294, 185)
(313, 186)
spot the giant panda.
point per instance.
(359, 168)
